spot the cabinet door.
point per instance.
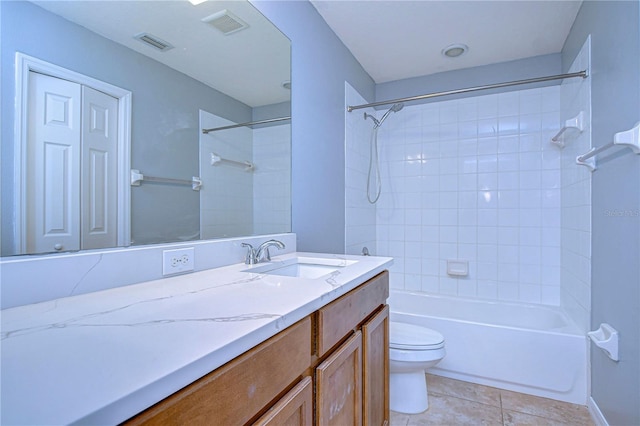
(293, 409)
(375, 369)
(339, 385)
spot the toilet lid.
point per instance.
(413, 337)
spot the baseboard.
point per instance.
(596, 414)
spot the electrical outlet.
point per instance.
(177, 261)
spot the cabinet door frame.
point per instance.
(299, 399)
(353, 346)
(24, 64)
(380, 319)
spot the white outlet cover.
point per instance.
(178, 261)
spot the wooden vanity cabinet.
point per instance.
(352, 381)
(330, 368)
(240, 390)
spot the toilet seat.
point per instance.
(413, 337)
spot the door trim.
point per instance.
(24, 64)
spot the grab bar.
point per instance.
(215, 159)
(137, 178)
(629, 138)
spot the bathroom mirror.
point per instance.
(174, 68)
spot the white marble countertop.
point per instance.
(102, 357)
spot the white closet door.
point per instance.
(99, 169)
(53, 171)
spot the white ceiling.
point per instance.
(394, 40)
(249, 65)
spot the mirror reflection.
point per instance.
(104, 105)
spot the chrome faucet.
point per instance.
(261, 254)
(250, 258)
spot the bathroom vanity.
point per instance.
(224, 346)
(340, 348)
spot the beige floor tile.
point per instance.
(471, 391)
(546, 408)
(513, 418)
(446, 410)
(454, 403)
(398, 419)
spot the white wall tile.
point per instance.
(476, 178)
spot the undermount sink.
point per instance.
(302, 267)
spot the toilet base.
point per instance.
(408, 392)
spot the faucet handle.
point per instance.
(250, 258)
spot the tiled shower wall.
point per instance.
(272, 179)
(235, 201)
(474, 179)
(225, 209)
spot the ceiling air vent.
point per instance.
(154, 42)
(225, 22)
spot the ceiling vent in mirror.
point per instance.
(225, 22)
(154, 42)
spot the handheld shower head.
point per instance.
(395, 108)
(373, 177)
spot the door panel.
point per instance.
(71, 165)
(99, 169)
(53, 172)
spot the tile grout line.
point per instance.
(464, 399)
(473, 401)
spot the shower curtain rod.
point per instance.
(250, 123)
(582, 74)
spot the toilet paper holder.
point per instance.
(606, 338)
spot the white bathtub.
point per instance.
(520, 347)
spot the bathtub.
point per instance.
(525, 348)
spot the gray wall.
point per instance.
(615, 299)
(165, 114)
(320, 66)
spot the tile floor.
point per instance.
(453, 402)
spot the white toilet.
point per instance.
(412, 349)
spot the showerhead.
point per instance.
(377, 123)
(395, 108)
